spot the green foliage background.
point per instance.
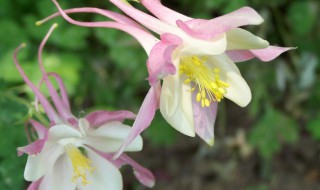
(105, 69)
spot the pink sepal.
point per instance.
(98, 118)
(266, 54)
(204, 119)
(163, 13)
(33, 148)
(35, 185)
(39, 128)
(144, 117)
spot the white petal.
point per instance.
(59, 177)
(59, 132)
(105, 175)
(176, 105)
(40, 164)
(194, 46)
(238, 91)
(110, 136)
(83, 126)
(238, 39)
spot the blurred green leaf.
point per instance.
(234, 5)
(302, 16)
(314, 128)
(160, 133)
(271, 131)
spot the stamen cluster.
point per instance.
(207, 80)
(80, 164)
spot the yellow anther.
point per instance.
(210, 86)
(203, 94)
(80, 164)
(202, 103)
(207, 102)
(198, 97)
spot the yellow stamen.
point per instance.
(211, 87)
(80, 164)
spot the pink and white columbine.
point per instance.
(194, 58)
(77, 153)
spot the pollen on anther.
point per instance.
(210, 86)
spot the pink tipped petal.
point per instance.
(144, 175)
(144, 117)
(240, 55)
(207, 29)
(35, 185)
(148, 21)
(204, 119)
(109, 14)
(163, 13)
(60, 106)
(51, 113)
(144, 38)
(270, 52)
(98, 118)
(40, 129)
(32, 149)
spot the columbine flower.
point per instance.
(77, 153)
(194, 57)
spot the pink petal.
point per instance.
(62, 89)
(270, 52)
(145, 38)
(32, 149)
(159, 63)
(35, 185)
(204, 119)
(239, 55)
(208, 29)
(144, 117)
(266, 54)
(60, 106)
(163, 13)
(109, 14)
(146, 20)
(98, 118)
(51, 113)
(40, 129)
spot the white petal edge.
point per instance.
(38, 165)
(109, 137)
(60, 176)
(176, 105)
(239, 39)
(59, 132)
(105, 175)
(238, 91)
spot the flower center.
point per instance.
(80, 164)
(211, 87)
